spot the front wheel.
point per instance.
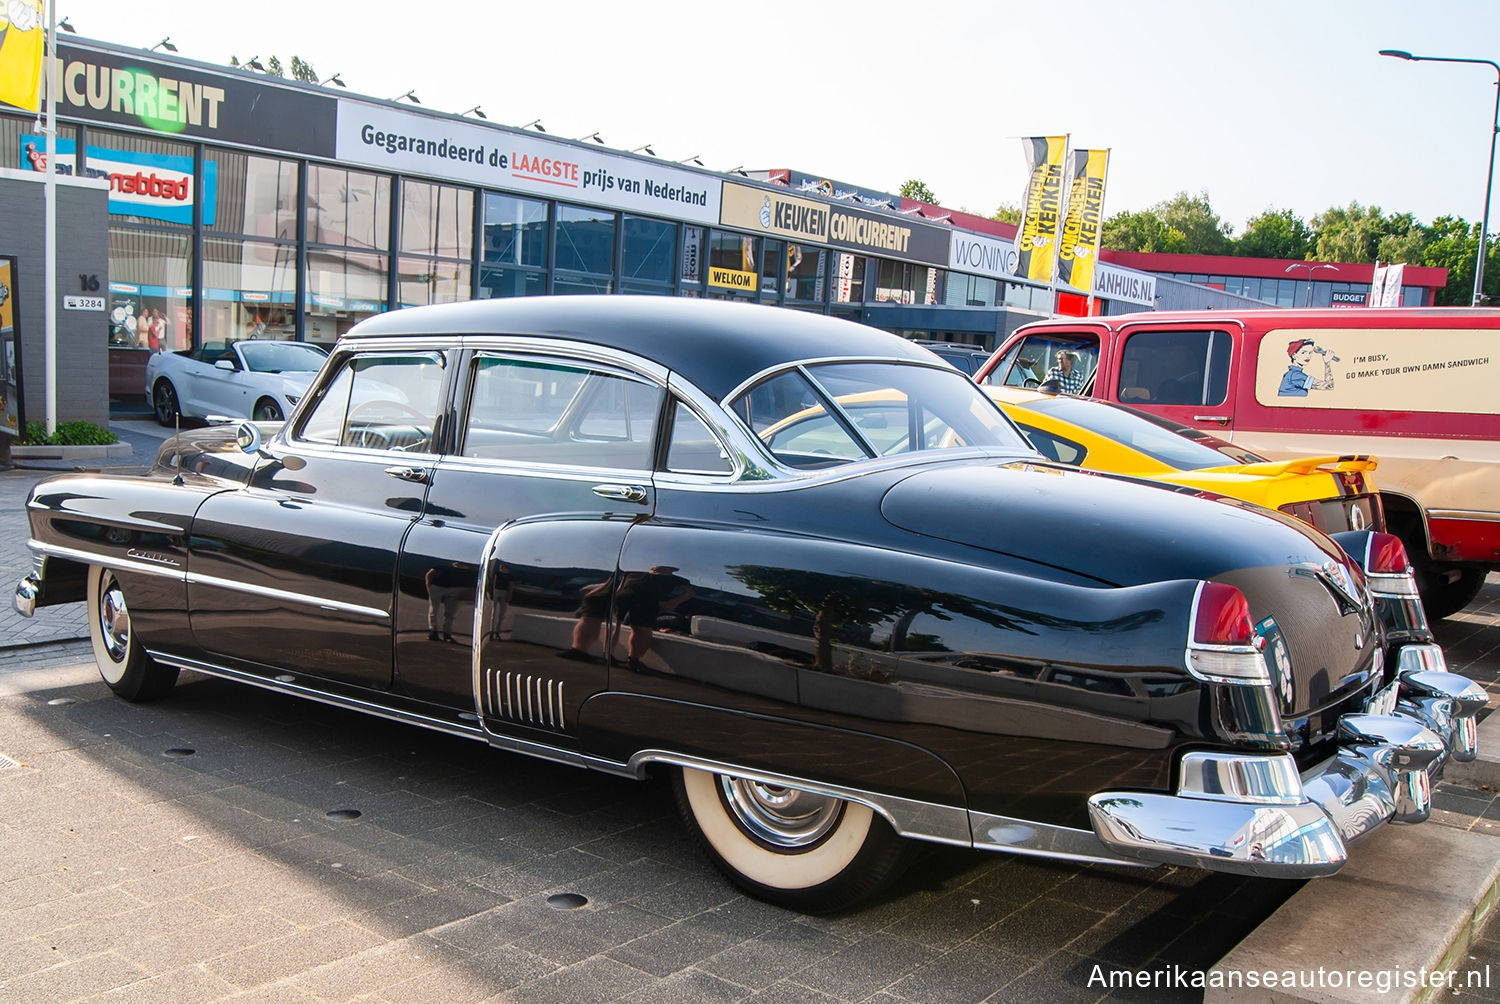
(267, 410)
(123, 663)
(797, 849)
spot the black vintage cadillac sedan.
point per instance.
(650, 535)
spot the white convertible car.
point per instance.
(241, 379)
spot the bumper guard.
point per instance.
(1254, 814)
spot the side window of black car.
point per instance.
(560, 412)
(379, 402)
(692, 448)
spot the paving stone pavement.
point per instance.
(135, 870)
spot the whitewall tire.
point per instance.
(801, 850)
(123, 663)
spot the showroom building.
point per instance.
(247, 206)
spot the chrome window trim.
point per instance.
(402, 346)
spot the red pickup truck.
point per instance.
(1418, 388)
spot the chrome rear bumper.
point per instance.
(1254, 814)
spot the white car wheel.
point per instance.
(123, 663)
(802, 850)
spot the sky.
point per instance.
(1259, 104)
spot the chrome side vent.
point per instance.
(518, 697)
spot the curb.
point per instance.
(1426, 891)
(1484, 770)
(70, 452)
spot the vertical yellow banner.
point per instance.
(22, 35)
(1041, 208)
(1079, 247)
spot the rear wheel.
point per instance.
(123, 663)
(809, 852)
(164, 403)
(267, 410)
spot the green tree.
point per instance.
(1350, 234)
(1405, 241)
(1275, 233)
(1196, 220)
(303, 71)
(1183, 224)
(1007, 213)
(1453, 243)
(273, 68)
(1142, 231)
(917, 189)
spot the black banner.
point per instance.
(179, 100)
(889, 235)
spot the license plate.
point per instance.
(1383, 703)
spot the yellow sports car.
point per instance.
(1332, 493)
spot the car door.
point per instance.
(296, 572)
(216, 384)
(556, 450)
(1183, 373)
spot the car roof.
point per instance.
(716, 345)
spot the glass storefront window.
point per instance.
(348, 208)
(804, 272)
(432, 280)
(249, 290)
(150, 290)
(515, 231)
(255, 195)
(771, 252)
(437, 220)
(497, 282)
(849, 284)
(648, 252)
(151, 179)
(898, 282)
(585, 240)
(733, 265)
(25, 147)
(342, 288)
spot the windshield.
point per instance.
(852, 411)
(282, 357)
(1161, 440)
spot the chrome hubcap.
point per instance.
(114, 620)
(780, 816)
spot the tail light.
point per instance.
(1222, 616)
(1389, 569)
(1386, 555)
(1222, 644)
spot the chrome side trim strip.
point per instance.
(108, 560)
(945, 824)
(1042, 840)
(337, 606)
(294, 689)
(150, 568)
(1478, 515)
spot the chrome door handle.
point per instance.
(621, 493)
(414, 474)
(1221, 419)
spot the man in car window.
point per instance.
(1066, 371)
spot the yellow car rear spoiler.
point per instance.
(1306, 465)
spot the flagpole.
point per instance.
(49, 263)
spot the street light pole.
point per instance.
(1311, 270)
(1489, 179)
